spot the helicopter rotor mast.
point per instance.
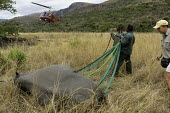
(42, 5)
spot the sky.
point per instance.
(25, 7)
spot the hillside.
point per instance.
(72, 7)
(101, 17)
(131, 1)
(1, 20)
(34, 17)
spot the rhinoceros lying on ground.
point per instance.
(61, 81)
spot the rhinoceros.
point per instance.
(59, 81)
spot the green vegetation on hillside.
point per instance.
(102, 17)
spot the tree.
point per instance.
(10, 28)
(7, 5)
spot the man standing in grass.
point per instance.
(162, 27)
(127, 42)
(118, 35)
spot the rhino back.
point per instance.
(60, 80)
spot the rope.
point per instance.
(96, 59)
(108, 70)
(95, 64)
(113, 54)
(104, 64)
(113, 74)
(108, 44)
(104, 55)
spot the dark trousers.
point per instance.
(124, 57)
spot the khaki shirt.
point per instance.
(166, 44)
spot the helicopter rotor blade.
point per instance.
(41, 5)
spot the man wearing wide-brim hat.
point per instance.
(162, 27)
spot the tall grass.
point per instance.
(145, 91)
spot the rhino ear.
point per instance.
(16, 77)
(17, 74)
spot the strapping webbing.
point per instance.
(104, 55)
(113, 74)
(113, 55)
(104, 64)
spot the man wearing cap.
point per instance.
(162, 27)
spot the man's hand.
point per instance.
(120, 36)
(158, 58)
(112, 34)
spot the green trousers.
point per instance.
(124, 57)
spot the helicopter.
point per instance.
(47, 16)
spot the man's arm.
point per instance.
(125, 40)
(159, 57)
(112, 36)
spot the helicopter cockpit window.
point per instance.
(46, 14)
(42, 14)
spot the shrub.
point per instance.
(74, 42)
(17, 56)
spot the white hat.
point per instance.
(160, 23)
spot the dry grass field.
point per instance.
(145, 91)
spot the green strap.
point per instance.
(106, 53)
(113, 53)
(104, 64)
(108, 70)
(113, 74)
(95, 64)
(99, 60)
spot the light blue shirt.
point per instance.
(166, 44)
